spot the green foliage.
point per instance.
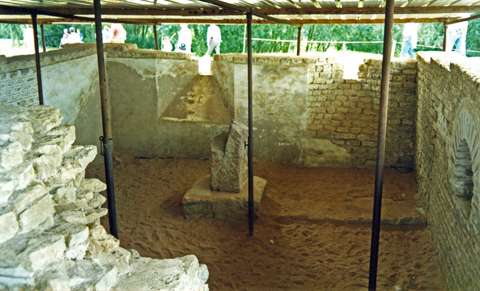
(337, 36)
(232, 38)
(276, 32)
(431, 37)
(11, 31)
(372, 33)
(473, 37)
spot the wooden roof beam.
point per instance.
(38, 11)
(206, 20)
(473, 17)
(245, 10)
(148, 11)
(230, 9)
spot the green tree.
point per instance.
(12, 31)
(430, 36)
(473, 38)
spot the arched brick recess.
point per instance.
(464, 170)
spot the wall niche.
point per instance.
(464, 170)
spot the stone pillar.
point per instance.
(224, 193)
(229, 159)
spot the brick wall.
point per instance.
(18, 81)
(448, 159)
(19, 87)
(305, 112)
(345, 111)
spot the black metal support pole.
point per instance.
(155, 35)
(444, 44)
(107, 140)
(382, 130)
(251, 204)
(37, 60)
(299, 40)
(44, 44)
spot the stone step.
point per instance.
(61, 137)
(16, 179)
(21, 257)
(78, 275)
(44, 118)
(184, 273)
(74, 164)
(76, 238)
(34, 216)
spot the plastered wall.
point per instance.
(448, 162)
(70, 83)
(142, 84)
(305, 112)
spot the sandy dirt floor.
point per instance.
(294, 247)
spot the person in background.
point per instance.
(119, 34)
(106, 34)
(457, 37)
(74, 36)
(214, 39)
(64, 39)
(166, 44)
(409, 40)
(184, 43)
(79, 36)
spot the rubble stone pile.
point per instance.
(51, 237)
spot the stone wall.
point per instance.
(280, 93)
(306, 113)
(343, 113)
(51, 237)
(142, 85)
(448, 162)
(70, 83)
(60, 68)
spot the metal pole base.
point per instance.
(108, 161)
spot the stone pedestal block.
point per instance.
(229, 159)
(201, 201)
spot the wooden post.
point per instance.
(44, 44)
(37, 60)
(107, 140)
(155, 35)
(444, 45)
(299, 40)
(251, 203)
(381, 137)
(244, 38)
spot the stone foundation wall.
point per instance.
(280, 93)
(343, 113)
(51, 237)
(307, 113)
(60, 68)
(142, 85)
(448, 162)
(70, 83)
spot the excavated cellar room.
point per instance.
(250, 171)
